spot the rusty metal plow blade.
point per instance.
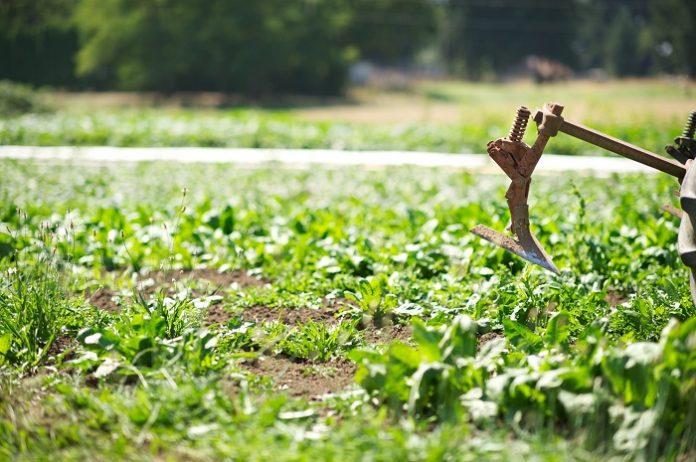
(527, 248)
(518, 161)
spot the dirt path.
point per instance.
(306, 158)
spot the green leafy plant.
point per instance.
(34, 307)
(373, 299)
(636, 393)
(150, 336)
(319, 342)
(426, 380)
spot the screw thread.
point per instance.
(690, 127)
(520, 124)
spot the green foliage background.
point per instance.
(306, 46)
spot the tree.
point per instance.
(621, 57)
(391, 31)
(493, 35)
(615, 36)
(253, 47)
(38, 41)
(674, 28)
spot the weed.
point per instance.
(319, 342)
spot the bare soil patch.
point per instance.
(260, 314)
(290, 316)
(615, 299)
(338, 303)
(293, 316)
(488, 337)
(217, 315)
(218, 279)
(385, 108)
(62, 346)
(386, 334)
(104, 300)
(149, 283)
(304, 379)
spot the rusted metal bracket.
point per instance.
(550, 124)
(684, 147)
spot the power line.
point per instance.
(521, 4)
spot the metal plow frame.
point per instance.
(518, 161)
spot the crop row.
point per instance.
(597, 360)
(268, 129)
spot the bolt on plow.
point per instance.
(518, 161)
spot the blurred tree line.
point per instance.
(259, 47)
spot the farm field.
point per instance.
(207, 312)
(423, 116)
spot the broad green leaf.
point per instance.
(521, 337)
(428, 340)
(5, 345)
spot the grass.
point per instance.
(151, 311)
(429, 116)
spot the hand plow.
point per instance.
(518, 160)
